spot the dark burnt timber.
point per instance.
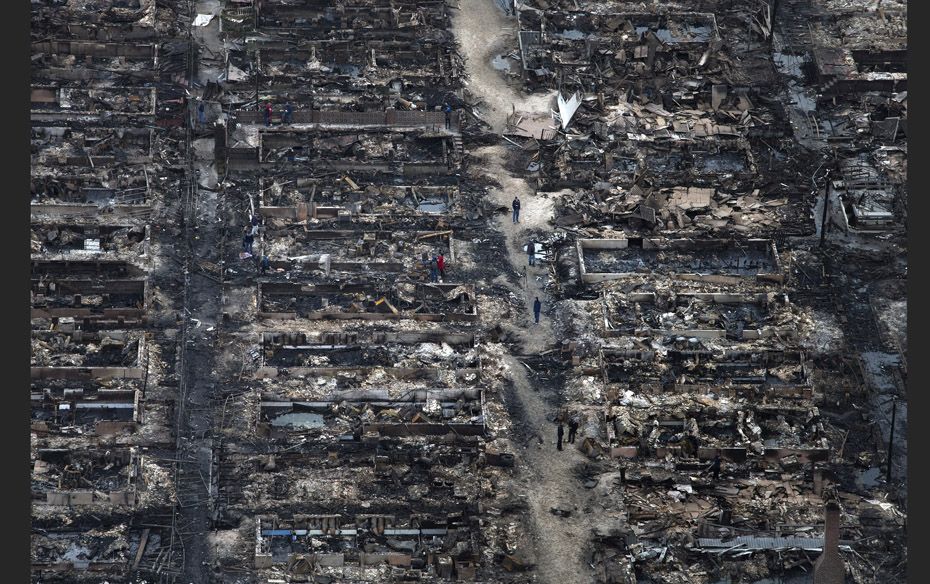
(282, 306)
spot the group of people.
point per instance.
(530, 256)
(560, 431)
(285, 117)
(436, 264)
(248, 241)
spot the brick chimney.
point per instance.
(829, 568)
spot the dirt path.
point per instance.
(546, 476)
(483, 31)
(535, 213)
(549, 482)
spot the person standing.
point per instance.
(448, 111)
(559, 433)
(247, 241)
(516, 210)
(434, 270)
(201, 114)
(265, 264)
(531, 252)
(268, 113)
(537, 308)
(572, 429)
(287, 113)
(715, 467)
(441, 264)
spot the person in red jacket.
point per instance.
(441, 264)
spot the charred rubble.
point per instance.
(247, 365)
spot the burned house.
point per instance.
(491, 291)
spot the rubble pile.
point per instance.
(677, 141)
(285, 327)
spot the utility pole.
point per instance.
(894, 410)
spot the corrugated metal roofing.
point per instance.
(748, 542)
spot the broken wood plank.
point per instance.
(142, 543)
(433, 234)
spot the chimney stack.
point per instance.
(829, 568)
